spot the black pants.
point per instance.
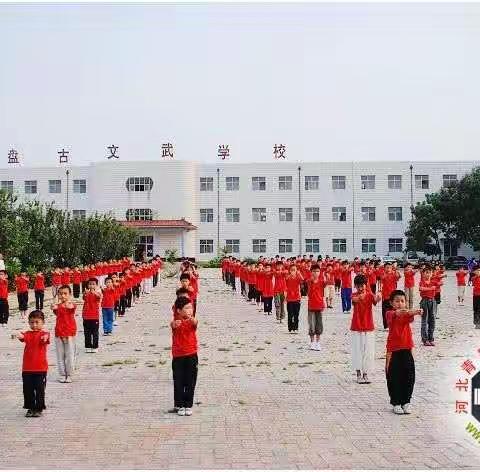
(385, 307)
(76, 290)
(155, 279)
(136, 291)
(128, 298)
(22, 301)
(90, 330)
(476, 310)
(39, 296)
(251, 292)
(242, 287)
(401, 377)
(4, 310)
(232, 282)
(293, 310)
(84, 285)
(185, 370)
(304, 289)
(258, 295)
(373, 288)
(267, 304)
(122, 305)
(34, 384)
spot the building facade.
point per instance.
(344, 209)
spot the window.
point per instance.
(395, 213)
(145, 246)
(206, 215)
(285, 182)
(259, 183)
(312, 213)
(259, 214)
(139, 184)
(6, 185)
(368, 182)
(30, 186)
(79, 186)
(449, 180)
(139, 214)
(395, 245)
(232, 246)
(259, 245)
(285, 214)
(394, 181)
(339, 245)
(206, 184)
(368, 213)
(339, 213)
(285, 245)
(55, 186)
(311, 182)
(312, 245)
(206, 246)
(369, 245)
(421, 182)
(338, 181)
(232, 183)
(232, 215)
(79, 214)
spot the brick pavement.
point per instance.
(263, 399)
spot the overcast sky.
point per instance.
(331, 82)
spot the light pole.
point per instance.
(68, 184)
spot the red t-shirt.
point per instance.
(260, 281)
(315, 294)
(91, 304)
(65, 325)
(108, 300)
(76, 277)
(39, 282)
(280, 283)
(184, 339)
(476, 286)
(3, 289)
(372, 276)
(329, 278)
(66, 278)
(346, 275)
(56, 279)
(429, 289)
(21, 283)
(268, 284)
(362, 318)
(409, 276)
(35, 352)
(461, 277)
(293, 288)
(399, 331)
(389, 284)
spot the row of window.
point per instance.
(312, 182)
(54, 186)
(232, 215)
(339, 245)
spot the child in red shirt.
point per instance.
(409, 284)
(400, 366)
(39, 289)
(21, 282)
(268, 290)
(56, 281)
(362, 328)
(108, 304)
(293, 281)
(461, 276)
(428, 288)
(346, 291)
(184, 356)
(35, 364)
(65, 332)
(4, 312)
(76, 281)
(316, 305)
(280, 290)
(91, 315)
(476, 297)
(389, 281)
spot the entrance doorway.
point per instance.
(144, 248)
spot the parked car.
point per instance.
(389, 259)
(455, 262)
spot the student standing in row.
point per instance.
(293, 282)
(279, 290)
(39, 289)
(476, 297)
(91, 315)
(427, 289)
(461, 276)
(316, 305)
(21, 282)
(346, 291)
(4, 311)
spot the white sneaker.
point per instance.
(181, 412)
(68, 379)
(407, 408)
(61, 380)
(115, 323)
(398, 410)
(88, 350)
(94, 350)
(317, 347)
(312, 346)
(188, 412)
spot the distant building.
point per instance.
(336, 208)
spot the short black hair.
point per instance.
(65, 286)
(185, 276)
(180, 302)
(3, 271)
(360, 279)
(315, 267)
(36, 314)
(93, 279)
(396, 293)
(181, 292)
(108, 278)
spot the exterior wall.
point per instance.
(176, 194)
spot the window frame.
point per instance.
(287, 183)
(206, 183)
(391, 212)
(287, 211)
(340, 242)
(82, 215)
(337, 180)
(259, 242)
(395, 242)
(28, 184)
(206, 244)
(231, 183)
(284, 244)
(139, 214)
(261, 212)
(139, 184)
(57, 183)
(206, 212)
(230, 215)
(367, 182)
(234, 245)
(312, 182)
(257, 181)
(394, 183)
(367, 211)
(367, 242)
(310, 245)
(420, 179)
(79, 185)
(452, 181)
(313, 211)
(335, 213)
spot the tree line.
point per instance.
(453, 214)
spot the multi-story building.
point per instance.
(338, 208)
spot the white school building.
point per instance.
(344, 209)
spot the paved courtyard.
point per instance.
(263, 399)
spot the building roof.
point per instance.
(181, 224)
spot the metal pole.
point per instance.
(68, 184)
(299, 212)
(353, 212)
(218, 210)
(411, 186)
